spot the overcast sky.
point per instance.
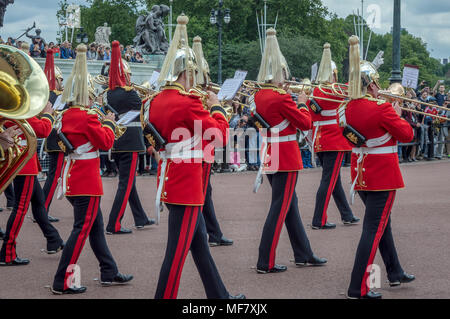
(428, 19)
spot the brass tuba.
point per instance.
(24, 93)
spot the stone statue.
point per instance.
(102, 35)
(3, 4)
(150, 36)
(35, 38)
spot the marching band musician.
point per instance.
(81, 183)
(28, 190)
(375, 128)
(7, 141)
(215, 235)
(284, 116)
(122, 98)
(330, 146)
(179, 118)
(56, 155)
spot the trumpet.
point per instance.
(23, 94)
(119, 129)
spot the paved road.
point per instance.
(420, 218)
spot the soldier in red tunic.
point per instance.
(375, 128)
(83, 135)
(281, 160)
(330, 146)
(56, 155)
(28, 190)
(180, 119)
(215, 235)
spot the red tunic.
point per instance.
(377, 172)
(328, 137)
(174, 110)
(275, 106)
(42, 128)
(81, 126)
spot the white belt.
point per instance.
(179, 150)
(361, 152)
(316, 129)
(134, 124)
(80, 153)
(328, 113)
(280, 139)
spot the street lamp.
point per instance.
(82, 36)
(216, 19)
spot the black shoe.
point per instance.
(370, 295)
(406, 278)
(69, 291)
(275, 269)
(223, 242)
(54, 251)
(52, 219)
(352, 221)
(239, 296)
(16, 262)
(314, 261)
(122, 230)
(150, 221)
(1, 209)
(326, 226)
(119, 279)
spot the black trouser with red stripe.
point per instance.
(283, 209)
(54, 172)
(27, 190)
(187, 231)
(9, 194)
(126, 192)
(376, 233)
(88, 221)
(330, 184)
(209, 214)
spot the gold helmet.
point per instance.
(273, 64)
(180, 57)
(202, 64)
(369, 74)
(58, 73)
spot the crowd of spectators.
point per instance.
(39, 48)
(431, 140)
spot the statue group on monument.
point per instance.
(150, 36)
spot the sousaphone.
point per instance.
(24, 93)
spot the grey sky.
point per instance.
(428, 19)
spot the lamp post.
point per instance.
(82, 37)
(395, 74)
(216, 19)
(170, 25)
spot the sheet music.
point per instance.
(229, 89)
(128, 117)
(410, 76)
(240, 74)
